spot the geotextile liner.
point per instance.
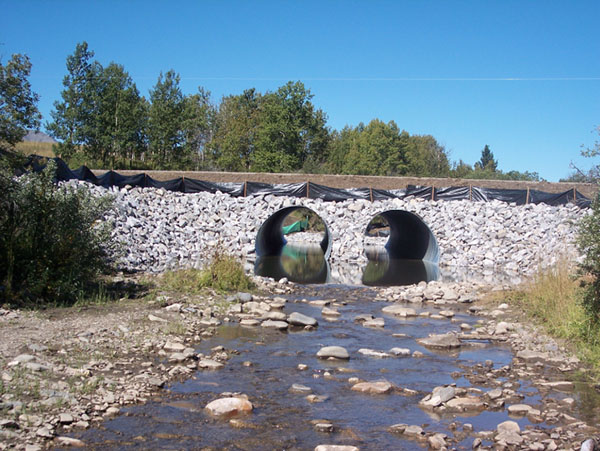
(312, 190)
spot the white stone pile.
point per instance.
(160, 229)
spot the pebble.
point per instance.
(336, 352)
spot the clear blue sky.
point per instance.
(521, 76)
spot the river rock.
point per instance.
(229, 406)
(398, 310)
(465, 404)
(440, 341)
(373, 353)
(299, 388)
(375, 322)
(508, 426)
(400, 352)
(336, 448)
(209, 364)
(373, 388)
(336, 352)
(298, 319)
(272, 324)
(439, 396)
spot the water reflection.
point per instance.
(385, 271)
(298, 263)
(306, 263)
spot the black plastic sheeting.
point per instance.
(313, 190)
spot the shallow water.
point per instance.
(283, 420)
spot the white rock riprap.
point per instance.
(162, 229)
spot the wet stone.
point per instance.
(229, 406)
(298, 319)
(440, 341)
(336, 352)
(373, 388)
(299, 388)
(272, 324)
(397, 310)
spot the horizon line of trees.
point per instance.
(102, 120)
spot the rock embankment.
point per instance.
(162, 229)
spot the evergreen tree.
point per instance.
(487, 162)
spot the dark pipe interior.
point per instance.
(270, 240)
(410, 238)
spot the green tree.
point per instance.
(487, 161)
(290, 131)
(18, 103)
(166, 138)
(234, 130)
(374, 149)
(119, 115)
(426, 157)
(198, 122)
(73, 117)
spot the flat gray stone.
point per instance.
(298, 319)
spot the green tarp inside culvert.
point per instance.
(297, 226)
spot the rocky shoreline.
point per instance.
(67, 370)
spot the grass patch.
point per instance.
(35, 148)
(223, 273)
(553, 299)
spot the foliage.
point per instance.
(588, 242)
(51, 243)
(18, 103)
(223, 273)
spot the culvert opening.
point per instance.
(401, 250)
(293, 243)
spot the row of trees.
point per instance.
(103, 120)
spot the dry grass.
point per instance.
(553, 299)
(36, 148)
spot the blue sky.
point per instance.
(521, 76)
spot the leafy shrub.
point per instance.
(52, 244)
(223, 273)
(589, 245)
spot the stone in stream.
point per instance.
(298, 319)
(336, 352)
(465, 404)
(271, 324)
(336, 448)
(275, 316)
(229, 406)
(400, 352)
(373, 353)
(439, 396)
(373, 388)
(519, 409)
(299, 388)
(440, 341)
(398, 310)
(329, 312)
(209, 364)
(375, 322)
(249, 322)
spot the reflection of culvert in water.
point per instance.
(299, 264)
(409, 237)
(270, 240)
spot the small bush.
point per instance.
(589, 245)
(223, 273)
(52, 242)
